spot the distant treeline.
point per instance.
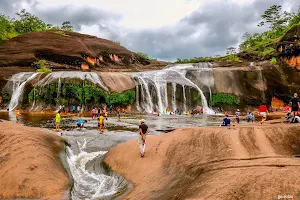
(26, 23)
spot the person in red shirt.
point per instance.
(263, 112)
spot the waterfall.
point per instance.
(137, 97)
(260, 76)
(19, 82)
(174, 74)
(147, 102)
(174, 96)
(58, 76)
(184, 99)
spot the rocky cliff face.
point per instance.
(69, 50)
(258, 81)
(289, 48)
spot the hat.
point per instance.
(142, 121)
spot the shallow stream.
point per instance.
(91, 177)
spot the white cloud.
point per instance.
(135, 13)
(164, 29)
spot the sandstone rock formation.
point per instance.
(30, 166)
(289, 47)
(213, 163)
(117, 82)
(68, 50)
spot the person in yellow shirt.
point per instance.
(57, 120)
(18, 114)
(101, 123)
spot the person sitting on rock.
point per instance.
(226, 121)
(249, 117)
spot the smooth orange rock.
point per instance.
(84, 66)
(30, 166)
(91, 60)
(277, 103)
(246, 162)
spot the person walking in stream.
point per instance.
(143, 132)
(57, 120)
(18, 114)
(101, 123)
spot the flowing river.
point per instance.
(92, 179)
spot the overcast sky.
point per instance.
(163, 29)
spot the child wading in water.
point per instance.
(101, 123)
(119, 116)
(18, 114)
(57, 120)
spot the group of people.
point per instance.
(263, 110)
(143, 128)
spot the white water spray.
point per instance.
(174, 74)
(88, 185)
(19, 82)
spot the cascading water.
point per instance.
(184, 99)
(174, 96)
(146, 97)
(260, 76)
(173, 74)
(19, 81)
(59, 76)
(89, 185)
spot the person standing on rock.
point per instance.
(263, 112)
(57, 120)
(143, 132)
(295, 104)
(237, 116)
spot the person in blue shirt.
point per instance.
(226, 121)
(80, 123)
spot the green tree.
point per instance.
(6, 28)
(28, 23)
(142, 55)
(274, 19)
(66, 26)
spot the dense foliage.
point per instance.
(277, 21)
(230, 57)
(41, 66)
(224, 99)
(26, 23)
(124, 99)
(79, 93)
